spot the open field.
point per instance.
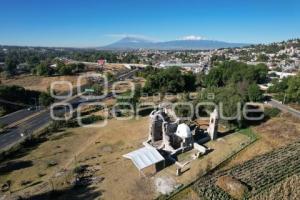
(50, 165)
(100, 148)
(40, 83)
(97, 152)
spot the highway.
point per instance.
(284, 108)
(38, 120)
(16, 116)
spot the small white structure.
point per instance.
(144, 157)
(200, 148)
(183, 131)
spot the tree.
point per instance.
(254, 93)
(262, 58)
(80, 67)
(133, 100)
(98, 89)
(45, 99)
(279, 86)
(189, 81)
(293, 90)
(169, 80)
(43, 70)
(110, 76)
(2, 112)
(65, 70)
(260, 73)
(11, 65)
(233, 72)
(214, 78)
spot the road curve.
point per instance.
(284, 108)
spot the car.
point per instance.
(30, 108)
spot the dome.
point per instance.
(183, 131)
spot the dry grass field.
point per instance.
(99, 148)
(50, 165)
(39, 83)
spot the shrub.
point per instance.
(272, 112)
(91, 119)
(51, 163)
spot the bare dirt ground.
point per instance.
(40, 83)
(295, 106)
(221, 149)
(113, 68)
(275, 133)
(101, 148)
(121, 178)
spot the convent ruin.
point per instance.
(169, 136)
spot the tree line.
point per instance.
(229, 82)
(38, 58)
(286, 90)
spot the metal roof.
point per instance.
(144, 157)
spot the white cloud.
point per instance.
(192, 37)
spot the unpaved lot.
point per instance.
(101, 149)
(40, 83)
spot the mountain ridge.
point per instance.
(140, 43)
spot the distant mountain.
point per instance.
(138, 43)
(130, 43)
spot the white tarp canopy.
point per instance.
(144, 157)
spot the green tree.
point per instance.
(45, 99)
(110, 76)
(11, 65)
(293, 90)
(65, 70)
(169, 80)
(262, 58)
(98, 89)
(43, 70)
(254, 93)
(133, 100)
(279, 86)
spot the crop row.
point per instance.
(259, 173)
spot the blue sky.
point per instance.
(99, 22)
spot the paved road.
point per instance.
(13, 135)
(284, 108)
(16, 116)
(12, 103)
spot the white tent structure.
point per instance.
(144, 157)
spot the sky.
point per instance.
(95, 23)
